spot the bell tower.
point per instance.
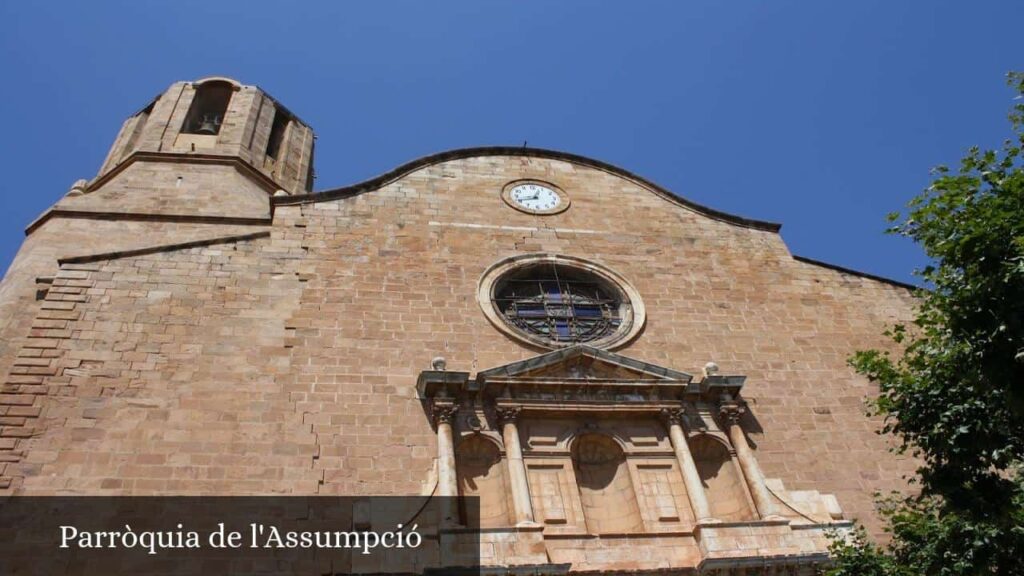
(199, 163)
(217, 119)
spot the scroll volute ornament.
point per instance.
(731, 409)
(674, 416)
(443, 413)
(506, 414)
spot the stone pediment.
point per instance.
(583, 362)
(578, 374)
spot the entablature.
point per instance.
(580, 378)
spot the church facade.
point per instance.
(628, 381)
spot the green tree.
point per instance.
(955, 396)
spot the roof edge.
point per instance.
(144, 217)
(242, 166)
(845, 270)
(89, 258)
(461, 153)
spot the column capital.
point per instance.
(507, 414)
(443, 412)
(731, 410)
(674, 416)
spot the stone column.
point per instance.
(691, 478)
(521, 503)
(730, 411)
(447, 479)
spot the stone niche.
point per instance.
(583, 459)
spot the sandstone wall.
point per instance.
(288, 363)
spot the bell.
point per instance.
(209, 125)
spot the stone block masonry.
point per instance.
(173, 327)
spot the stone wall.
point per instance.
(287, 364)
(393, 278)
(159, 374)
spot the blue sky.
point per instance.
(824, 116)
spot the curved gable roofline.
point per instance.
(461, 153)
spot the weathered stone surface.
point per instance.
(286, 362)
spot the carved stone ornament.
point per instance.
(673, 416)
(731, 410)
(507, 414)
(444, 413)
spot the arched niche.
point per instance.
(723, 483)
(606, 490)
(481, 473)
(209, 107)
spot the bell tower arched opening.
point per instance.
(209, 106)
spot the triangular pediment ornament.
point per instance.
(582, 362)
(576, 376)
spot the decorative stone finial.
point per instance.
(78, 188)
(439, 363)
(710, 369)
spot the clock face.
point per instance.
(535, 197)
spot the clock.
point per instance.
(535, 197)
